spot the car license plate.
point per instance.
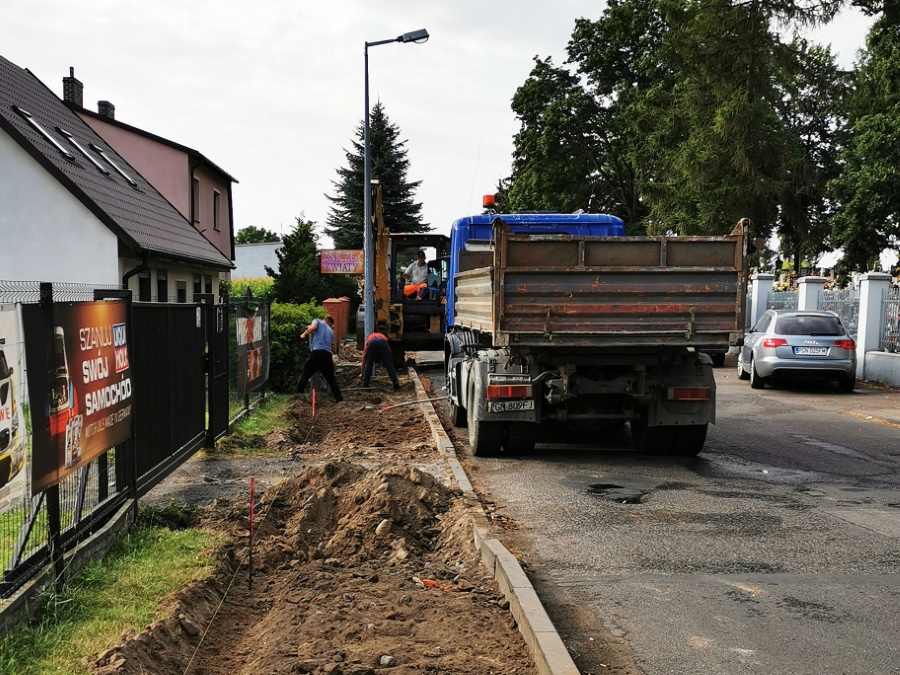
(810, 351)
(511, 406)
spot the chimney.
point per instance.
(106, 109)
(73, 90)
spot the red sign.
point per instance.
(343, 262)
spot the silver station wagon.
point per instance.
(798, 344)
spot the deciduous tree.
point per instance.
(255, 235)
(868, 189)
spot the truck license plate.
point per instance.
(810, 351)
(511, 406)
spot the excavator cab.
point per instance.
(420, 299)
(411, 315)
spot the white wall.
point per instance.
(46, 234)
(175, 273)
(250, 260)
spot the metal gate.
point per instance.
(170, 387)
(217, 367)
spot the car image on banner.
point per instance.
(12, 433)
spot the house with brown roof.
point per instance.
(196, 186)
(73, 209)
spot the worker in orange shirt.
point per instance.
(377, 349)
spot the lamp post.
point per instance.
(416, 36)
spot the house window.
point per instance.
(81, 149)
(195, 201)
(217, 210)
(162, 286)
(115, 166)
(144, 286)
(181, 291)
(43, 132)
(198, 289)
(207, 283)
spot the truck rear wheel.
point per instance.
(485, 438)
(652, 440)
(458, 416)
(689, 440)
(520, 437)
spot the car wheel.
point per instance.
(756, 380)
(847, 384)
(718, 360)
(741, 373)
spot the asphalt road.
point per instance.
(775, 551)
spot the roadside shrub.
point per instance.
(289, 352)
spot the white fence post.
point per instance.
(809, 290)
(871, 289)
(761, 287)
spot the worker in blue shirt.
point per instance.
(320, 358)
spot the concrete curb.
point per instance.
(547, 648)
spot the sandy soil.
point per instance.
(361, 559)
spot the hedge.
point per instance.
(289, 352)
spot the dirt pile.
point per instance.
(351, 571)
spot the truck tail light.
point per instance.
(508, 391)
(849, 345)
(771, 343)
(689, 393)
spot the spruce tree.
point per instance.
(388, 165)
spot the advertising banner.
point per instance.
(252, 348)
(13, 434)
(79, 384)
(343, 262)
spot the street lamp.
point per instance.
(418, 37)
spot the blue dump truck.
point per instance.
(560, 318)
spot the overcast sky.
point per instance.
(272, 90)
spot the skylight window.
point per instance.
(43, 132)
(115, 166)
(84, 152)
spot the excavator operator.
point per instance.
(416, 276)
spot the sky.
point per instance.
(272, 91)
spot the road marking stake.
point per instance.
(250, 545)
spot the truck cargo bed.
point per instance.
(564, 291)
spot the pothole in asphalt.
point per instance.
(617, 493)
(599, 488)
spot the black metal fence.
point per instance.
(183, 367)
(890, 331)
(238, 405)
